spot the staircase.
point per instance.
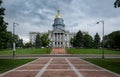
(58, 51)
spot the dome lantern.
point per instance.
(58, 15)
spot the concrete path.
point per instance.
(59, 67)
(58, 55)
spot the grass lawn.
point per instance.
(26, 51)
(7, 64)
(90, 51)
(110, 64)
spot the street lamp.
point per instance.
(102, 38)
(70, 50)
(47, 49)
(14, 46)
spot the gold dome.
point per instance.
(58, 15)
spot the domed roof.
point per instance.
(58, 15)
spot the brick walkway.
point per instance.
(59, 67)
(58, 51)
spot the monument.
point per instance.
(59, 37)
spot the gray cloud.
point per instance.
(38, 15)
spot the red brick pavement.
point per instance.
(58, 51)
(59, 67)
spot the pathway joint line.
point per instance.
(43, 69)
(74, 69)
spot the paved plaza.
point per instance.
(59, 67)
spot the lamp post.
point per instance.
(14, 46)
(102, 38)
(47, 49)
(70, 50)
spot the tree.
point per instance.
(20, 43)
(88, 41)
(117, 3)
(37, 41)
(79, 39)
(97, 41)
(3, 28)
(9, 39)
(106, 41)
(28, 45)
(44, 40)
(73, 41)
(114, 39)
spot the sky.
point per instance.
(38, 15)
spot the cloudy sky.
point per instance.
(38, 15)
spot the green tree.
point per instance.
(79, 39)
(3, 28)
(114, 39)
(88, 41)
(72, 41)
(97, 41)
(106, 41)
(44, 40)
(28, 45)
(9, 39)
(20, 43)
(117, 3)
(37, 41)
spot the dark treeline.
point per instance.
(6, 37)
(81, 40)
(40, 41)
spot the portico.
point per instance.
(59, 40)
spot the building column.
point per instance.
(57, 40)
(63, 39)
(53, 40)
(53, 44)
(54, 37)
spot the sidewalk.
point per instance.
(59, 55)
(59, 67)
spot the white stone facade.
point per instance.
(60, 38)
(57, 38)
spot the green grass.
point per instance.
(47, 51)
(26, 51)
(90, 51)
(7, 64)
(110, 64)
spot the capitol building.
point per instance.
(59, 37)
